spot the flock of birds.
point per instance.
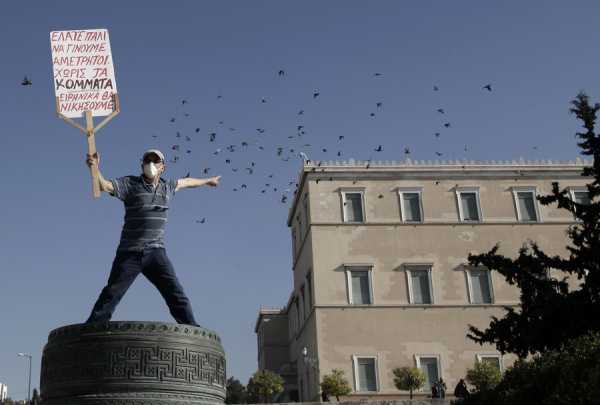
(224, 150)
(182, 145)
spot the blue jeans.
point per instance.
(156, 266)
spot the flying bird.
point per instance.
(441, 110)
(201, 221)
(379, 104)
(435, 88)
(300, 112)
(406, 151)
(377, 74)
(26, 82)
(316, 94)
(447, 125)
(281, 73)
(379, 148)
(488, 87)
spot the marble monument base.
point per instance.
(132, 363)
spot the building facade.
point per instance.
(380, 273)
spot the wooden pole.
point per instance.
(90, 131)
(89, 124)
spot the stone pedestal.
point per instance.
(133, 363)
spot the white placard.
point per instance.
(84, 77)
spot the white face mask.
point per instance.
(150, 170)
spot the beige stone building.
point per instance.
(380, 275)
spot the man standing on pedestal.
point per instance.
(141, 249)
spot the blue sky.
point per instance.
(57, 243)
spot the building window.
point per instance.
(469, 207)
(493, 359)
(526, 204)
(302, 294)
(305, 205)
(259, 341)
(420, 286)
(294, 240)
(309, 290)
(292, 318)
(579, 195)
(360, 291)
(300, 230)
(365, 373)
(298, 319)
(430, 366)
(479, 282)
(411, 207)
(353, 206)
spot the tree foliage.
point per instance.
(550, 312)
(568, 376)
(484, 376)
(235, 392)
(408, 379)
(263, 386)
(335, 384)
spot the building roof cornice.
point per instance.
(435, 169)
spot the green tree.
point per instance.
(235, 392)
(568, 376)
(35, 397)
(335, 384)
(408, 379)
(484, 376)
(263, 385)
(550, 313)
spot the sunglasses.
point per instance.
(152, 158)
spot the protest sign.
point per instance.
(84, 77)
(84, 83)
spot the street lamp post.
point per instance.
(29, 378)
(313, 362)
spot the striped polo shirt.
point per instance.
(146, 210)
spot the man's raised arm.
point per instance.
(105, 185)
(188, 182)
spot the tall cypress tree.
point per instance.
(550, 311)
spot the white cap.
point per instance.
(156, 152)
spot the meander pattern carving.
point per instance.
(134, 362)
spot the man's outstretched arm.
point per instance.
(189, 182)
(105, 185)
